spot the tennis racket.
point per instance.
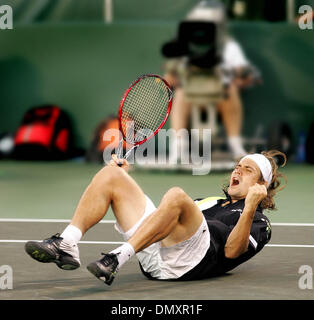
(143, 111)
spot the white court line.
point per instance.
(284, 224)
(81, 242)
(290, 245)
(48, 220)
(288, 224)
(119, 242)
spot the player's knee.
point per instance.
(108, 175)
(176, 196)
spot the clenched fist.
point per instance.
(116, 162)
(255, 195)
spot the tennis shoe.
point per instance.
(54, 249)
(106, 268)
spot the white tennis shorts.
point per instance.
(170, 262)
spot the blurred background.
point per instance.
(80, 55)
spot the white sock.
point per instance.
(236, 145)
(124, 253)
(71, 236)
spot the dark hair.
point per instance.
(268, 202)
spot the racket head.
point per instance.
(145, 105)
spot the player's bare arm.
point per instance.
(238, 240)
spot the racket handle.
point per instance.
(120, 153)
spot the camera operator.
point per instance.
(203, 44)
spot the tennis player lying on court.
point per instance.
(181, 239)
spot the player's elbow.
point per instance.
(233, 252)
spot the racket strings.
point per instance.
(144, 109)
(158, 96)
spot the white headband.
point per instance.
(263, 164)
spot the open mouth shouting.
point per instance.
(235, 181)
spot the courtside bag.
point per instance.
(45, 133)
(98, 143)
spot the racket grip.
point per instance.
(120, 163)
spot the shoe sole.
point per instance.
(44, 255)
(93, 269)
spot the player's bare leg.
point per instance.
(176, 219)
(110, 186)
